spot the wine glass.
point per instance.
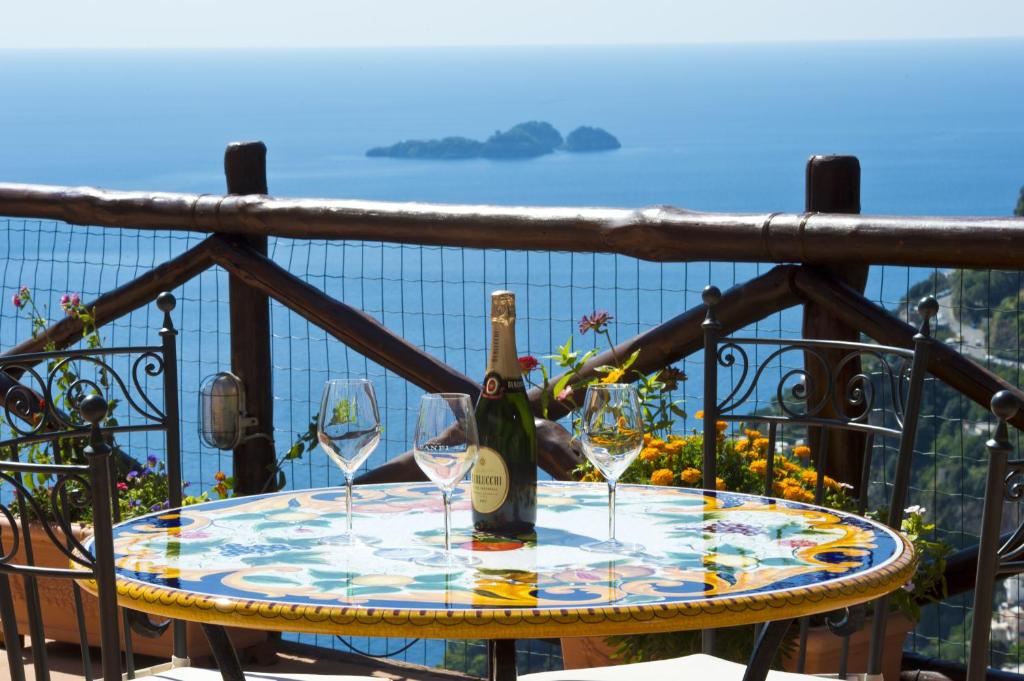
(445, 448)
(348, 429)
(613, 435)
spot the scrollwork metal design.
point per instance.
(1013, 491)
(40, 402)
(854, 400)
(71, 547)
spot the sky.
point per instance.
(399, 23)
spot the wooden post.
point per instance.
(245, 167)
(833, 186)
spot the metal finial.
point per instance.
(711, 295)
(93, 408)
(1005, 405)
(928, 308)
(166, 302)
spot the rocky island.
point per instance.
(525, 140)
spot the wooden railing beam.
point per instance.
(833, 186)
(661, 234)
(351, 326)
(245, 169)
(957, 371)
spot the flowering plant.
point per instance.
(742, 465)
(141, 487)
(655, 390)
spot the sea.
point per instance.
(938, 128)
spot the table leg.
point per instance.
(768, 642)
(223, 653)
(501, 660)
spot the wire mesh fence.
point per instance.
(437, 298)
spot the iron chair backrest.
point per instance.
(64, 406)
(998, 555)
(844, 398)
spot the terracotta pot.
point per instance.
(823, 650)
(57, 604)
(584, 652)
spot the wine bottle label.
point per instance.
(490, 481)
(496, 385)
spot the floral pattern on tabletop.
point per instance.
(699, 546)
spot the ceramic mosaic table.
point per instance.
(711, 559)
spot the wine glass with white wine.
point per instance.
(445, 446)
(348, 429)
(613, 435)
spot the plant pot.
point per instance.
(57, 604)
(825, 648)
(584, 652)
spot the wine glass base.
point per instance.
(350, 539)
(447, 560)
(613, 546)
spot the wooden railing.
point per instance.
(822, 257)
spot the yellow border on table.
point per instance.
(520, 622)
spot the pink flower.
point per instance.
(16, 300)
(76, 300)
(565, 394)
(528, 363)
(596, 320)
(122, 486)
(65, 300)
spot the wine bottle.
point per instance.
(504, 479)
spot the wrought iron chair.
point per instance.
(998, 555)
(60, 458)
(844, 400)
(65, 407)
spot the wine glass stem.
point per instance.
(611, 509)
(348, 503)
(447, 495)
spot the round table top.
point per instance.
(712, 559)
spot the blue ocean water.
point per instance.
(938, 128)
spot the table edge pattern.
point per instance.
(518, 623)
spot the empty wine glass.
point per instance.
(348, 429)
(613, 435)
(445, 448)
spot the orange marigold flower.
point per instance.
(761, 444)
(790, 467)
(801, 451)
(647, 438)
(649, 454)
(674, 446)
(719, 483)
(721, 426)
(751, 433)
(759, 467)
(809, 477)
(699, 414)
(796, 493)
(657, 443)
(742, 445)
(219, 476)
(691, 476)
(662, 476)
(831, 484)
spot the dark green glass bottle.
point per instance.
(504, 479)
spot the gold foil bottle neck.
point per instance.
(503, 306)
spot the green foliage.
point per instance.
(975, 292)
(929, 579)
(1019, 208)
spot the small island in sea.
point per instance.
(525, 140)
